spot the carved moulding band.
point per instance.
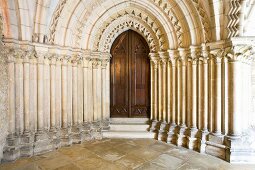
(121, 25)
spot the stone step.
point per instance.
(129, 127)
(127, 134)
(129, 120)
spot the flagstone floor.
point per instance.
(118, 154)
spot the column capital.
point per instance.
(95, 63)
(195, 51)
(104, 63)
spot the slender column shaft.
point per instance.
(53, 93)
(104, 93)
(64, 93)
(40, 125)
(80, 93)
(108, 90)
(235, 107)
(179, 92)
(19, 96)
(33, 94)
(156, 111)
(69, 93)
(94, 77)
(26, 95)
(164, 92)
(189, 92)
(11, 90)
(194, 94)
(46, 92)
(160, 108)
(90, 92)
(184, 93)
(205, 113)
(99, 93)
(153, 116)
(85, 91)
(217, 115)
(169, 90)
(75, 95)
(201, 93)
(58, 93)
(174, 96)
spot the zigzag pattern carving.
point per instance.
(233, 15)
(163, 4)
(129, 24)
(204, 19)
(55, 19)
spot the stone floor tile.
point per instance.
(150, 166)
(111, 155)
(145, 153)
(161, 146)
(69, 167)
(53, 163)
(192, 166)
(127, 147)
(168, 161)
(77, 153)
(130, 161)
(144, 142)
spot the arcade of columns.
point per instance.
(197, 96)
(55, 80)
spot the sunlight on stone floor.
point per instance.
(111, 154)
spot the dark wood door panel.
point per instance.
(130, 78)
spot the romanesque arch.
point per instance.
(58, 55)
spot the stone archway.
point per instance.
(130, 76)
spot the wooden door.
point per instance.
(130, 76)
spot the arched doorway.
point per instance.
(130, 76)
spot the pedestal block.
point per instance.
(163, 130)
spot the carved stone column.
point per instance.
(53, 126)
(238, 63)
(181, 136)
(163, 126)
(19, 91)
(154, 90)
(203, 104)
(65, 129)
(11, 151)
(97, 98)
(192, 136)
(76, 136)
(42, 142)
(27, 137)
(105, 114)
(171, 133)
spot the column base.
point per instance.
(154, 126)
(76, 134)
(96, 130)
(42, 142)
(55, 138)
(171, 138)
(181, 138)
(65, 137)
(106, 124)
(86, 132)
(192, 139)
(203, 135)
(162, 133)
(26, 144)
(239, 150)
(215, 145)
(11, 151)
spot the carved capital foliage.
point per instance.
(95, 63)
(104, 63)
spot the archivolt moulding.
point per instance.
(121, 25)
(139, 15)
